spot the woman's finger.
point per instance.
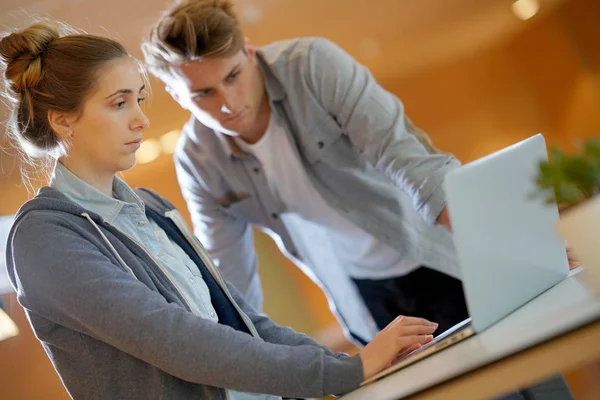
(409, 330)
(414, 321)
(409, 350)
(405, 341)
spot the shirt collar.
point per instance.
(230, 146)
(91, 198)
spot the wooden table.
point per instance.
(556, 331)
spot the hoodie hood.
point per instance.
(52, 200)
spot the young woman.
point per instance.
(121, 295)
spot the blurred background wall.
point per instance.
(476, 75)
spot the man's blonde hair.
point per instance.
(191, 30)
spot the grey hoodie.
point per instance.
(115, 327)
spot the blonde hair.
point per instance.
(190, 31)
(49, 66)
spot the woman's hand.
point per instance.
(401, 335)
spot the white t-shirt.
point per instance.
(363, 255)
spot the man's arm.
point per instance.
(229, 241)
(375, 123)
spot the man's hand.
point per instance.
(573, 261)
(444, 219)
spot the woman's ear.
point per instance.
(61, 123)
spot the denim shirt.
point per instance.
(126, 212)
(363, 155)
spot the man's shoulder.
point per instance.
(284, 46)
(289, 51)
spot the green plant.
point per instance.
(570, 179)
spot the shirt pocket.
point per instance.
(252, 211)
(317, 142)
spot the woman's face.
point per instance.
(108, 132)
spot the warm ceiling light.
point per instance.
(148, 151)
(525, 9)
(169, 140)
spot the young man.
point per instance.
(298, 139)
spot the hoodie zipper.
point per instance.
(158, 264)
(176, 217)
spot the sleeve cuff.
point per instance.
(338, 380)
(433, 200)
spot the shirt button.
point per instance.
(141, 223)
(274, 216)
(212, 314)
(191, 279)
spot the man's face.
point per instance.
(223, 93)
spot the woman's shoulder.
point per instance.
(154, 200)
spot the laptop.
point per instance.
(506, 244)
